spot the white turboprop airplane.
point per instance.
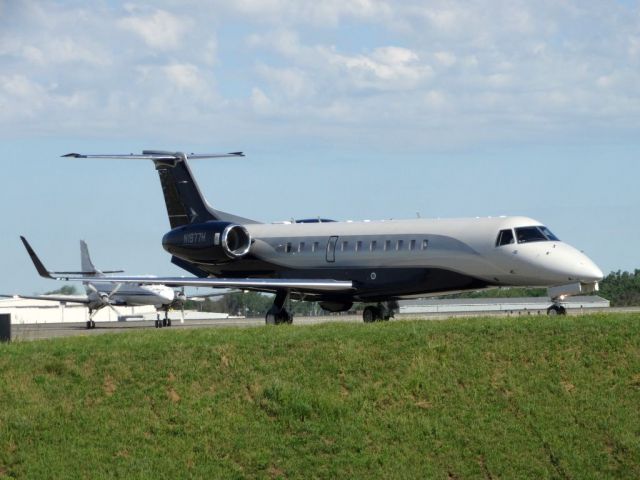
(338, 263)
(104, 292)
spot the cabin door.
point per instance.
(331, 249)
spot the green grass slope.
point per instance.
(479, 398)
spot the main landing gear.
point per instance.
(556, 309)
(277, 314)
(377, 313)
(165, 322)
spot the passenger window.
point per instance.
(373, 245)
(358, 245)
(399, 244)
(315, 246)
(345, 245)
(287, 248)
(425, 244)
(301, 247)
(387, 245)
(412, 245)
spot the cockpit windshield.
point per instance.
(505, 237)
(547, 233)
(534, 234)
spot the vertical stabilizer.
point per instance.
(185, 203)
(85, 262)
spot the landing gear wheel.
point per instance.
(556, 310)
(157, 323)
(168, 322)
(277, 314)
(370, 314)
(88, 324)
(278, 317)
(164, 322)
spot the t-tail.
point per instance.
(183, 199)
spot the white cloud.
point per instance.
(462, 68)
(385, 68)
(323, 13)
(185, 76)
(447, 59)
(260, 101)
(160, 29)
(290, 82)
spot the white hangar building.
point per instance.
(47, 311)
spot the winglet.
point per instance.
(34, 258)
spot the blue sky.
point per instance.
(349, 109)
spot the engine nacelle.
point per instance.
(209, 242)
(336, 306)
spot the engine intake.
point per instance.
(236, 241)
(210, 242)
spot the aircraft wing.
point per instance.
(261, 284)
(55, 298)
(266, 284)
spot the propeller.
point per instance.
(105, 300)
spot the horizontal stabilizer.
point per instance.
(88, 273)
(156, 155)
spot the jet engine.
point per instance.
(209, 242)
(336, 306)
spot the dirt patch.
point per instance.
(109, 385)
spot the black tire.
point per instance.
(556, 310)
(88, 324)
(157, 323)
(168, 322)
(270, 318)
(369, 315)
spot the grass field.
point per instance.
(477, 398)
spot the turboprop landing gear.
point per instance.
(165, 322)
(91, 322)
(377, 313)
(277, 314)
(556, 309)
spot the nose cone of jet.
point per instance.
(575, 265)
(587, 271)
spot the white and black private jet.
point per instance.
(339, 263)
